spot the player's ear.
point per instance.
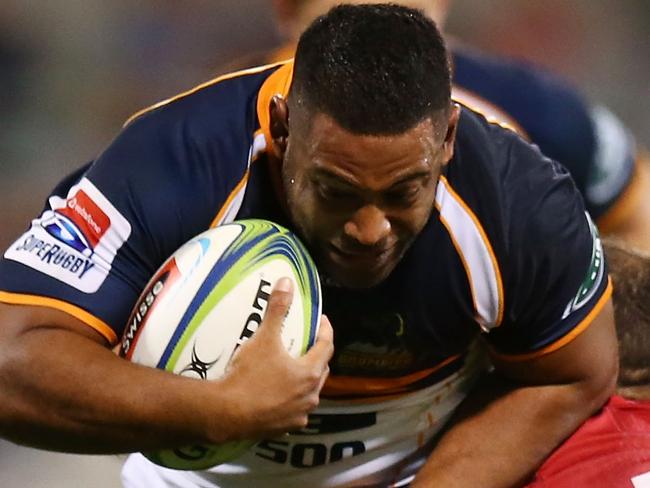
(450, 136)
(279, 125)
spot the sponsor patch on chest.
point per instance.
(76, 240)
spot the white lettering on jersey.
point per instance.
(641, 481)
(76, 240)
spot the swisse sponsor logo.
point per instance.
(141, 312)
(55, 255)
(254, 319)
(89, 218)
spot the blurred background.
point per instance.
(72, 71)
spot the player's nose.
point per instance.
(368, 226)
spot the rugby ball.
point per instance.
(207, 299)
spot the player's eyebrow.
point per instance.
(343, 180)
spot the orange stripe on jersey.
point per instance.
(238, 188)
(566, 339)
(79, 313)
(276, 84)
(218, 79)
(491, 112)
(627, 203)
(231, 197)
(336, 386)
(486, 241)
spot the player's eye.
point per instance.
(403, 197)
(335, 194)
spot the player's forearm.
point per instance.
(503, 434)
(61, 391)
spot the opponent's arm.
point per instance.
(507, 427)
(62, 388)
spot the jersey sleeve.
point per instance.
(107, 228)
(555, 275)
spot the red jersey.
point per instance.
(610, 450)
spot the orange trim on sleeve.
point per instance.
(570, 336)
(218, 79)
(628, 201)
(276, 84)
(347, 385)
(77, 312)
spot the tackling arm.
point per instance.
(507, 427)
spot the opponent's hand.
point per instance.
(269, 391)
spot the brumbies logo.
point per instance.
(76, 240)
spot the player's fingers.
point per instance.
(278, 306)
(323, 378)
(323, 349)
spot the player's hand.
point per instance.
(269, 391)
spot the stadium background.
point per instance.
(71, 72)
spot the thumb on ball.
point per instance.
(279, 303)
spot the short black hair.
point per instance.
(376, 69)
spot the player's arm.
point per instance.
(62, 388)
(507, 427)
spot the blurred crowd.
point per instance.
(71, 72)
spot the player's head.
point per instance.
(364, 135)
(295, 15)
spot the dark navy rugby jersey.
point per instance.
(591, 142)
(509, 250)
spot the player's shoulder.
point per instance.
(214, 122)
(491, 150)
(508, 184)
(211, 102)
(199, 139)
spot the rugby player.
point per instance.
(611, 171)
(435, 231)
